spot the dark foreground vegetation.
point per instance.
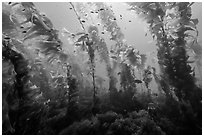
(47, 89)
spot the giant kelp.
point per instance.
(47, 89)
(171, 24)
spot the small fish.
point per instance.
(33, 87)
(138, 81)
(111, 51)
(7, 38)
(114, 57)
(83, 21)
(155, 94)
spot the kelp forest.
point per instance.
(96, 83)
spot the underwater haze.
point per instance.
(100, 68)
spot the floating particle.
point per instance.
(99, 24)
(23, 31)
(102, 32)
(121, 16)
(114, 19)
(96, 12)
(23, 10)
(92, 12)
(70, 8)
(9, 3)
(101, 9)
(130, 21)
(21, 27)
